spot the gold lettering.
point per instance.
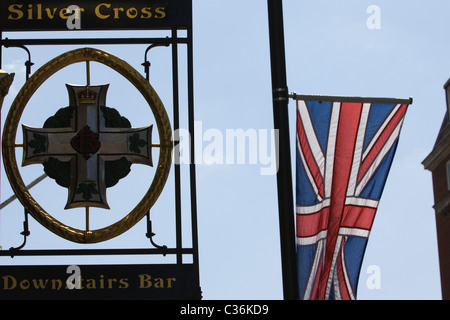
(9, 282)
(78, 13)
(56, 284)
(144, 281)
(123, 283)
(24, 284)
(50, 13)
(159, 283)
(14, 9)
(97, 10)
(90, 284)
(116, 12)
(132, 13)
(110, 283)
(63, 14)
(30, 12)
(160, 12)
(146, 13)
(39, 283)
(169, 282)
(39, 11)
(102, 282)
(102, 11)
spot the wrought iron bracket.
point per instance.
(147, 63)
(28, 63)
(150, 235)
(25, 233)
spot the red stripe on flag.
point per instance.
(344, 151)
(309, 225)
(367, 162)
(309, 157)
(358, 217)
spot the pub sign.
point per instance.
(87, 135)
(56, 15)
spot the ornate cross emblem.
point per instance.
(83, 145)
(87, 147)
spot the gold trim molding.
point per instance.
(12, 124)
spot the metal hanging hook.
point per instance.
(150, 235)
(28, 63)
(147, 63)
(25, 233)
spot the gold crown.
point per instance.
(87, 96)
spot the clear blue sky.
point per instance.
(329, 50)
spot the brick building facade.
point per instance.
(438, 162)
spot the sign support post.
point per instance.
(284, 175)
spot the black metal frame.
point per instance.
(174, 41)
(296, 96)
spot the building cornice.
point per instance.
(440, 151)
(443, 205)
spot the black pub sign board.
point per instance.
(56, 282)
(100, 282)
(53, 15)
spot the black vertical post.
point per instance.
(176, 127)
(192, 165)
(284, 175)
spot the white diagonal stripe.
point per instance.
(380, 130)
(310, 133)
(331, 146)
(313, 239)
(358, 149)
(379, 158)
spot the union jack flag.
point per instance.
(345, 147)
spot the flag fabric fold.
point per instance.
(345, 148)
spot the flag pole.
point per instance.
(284, 174)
